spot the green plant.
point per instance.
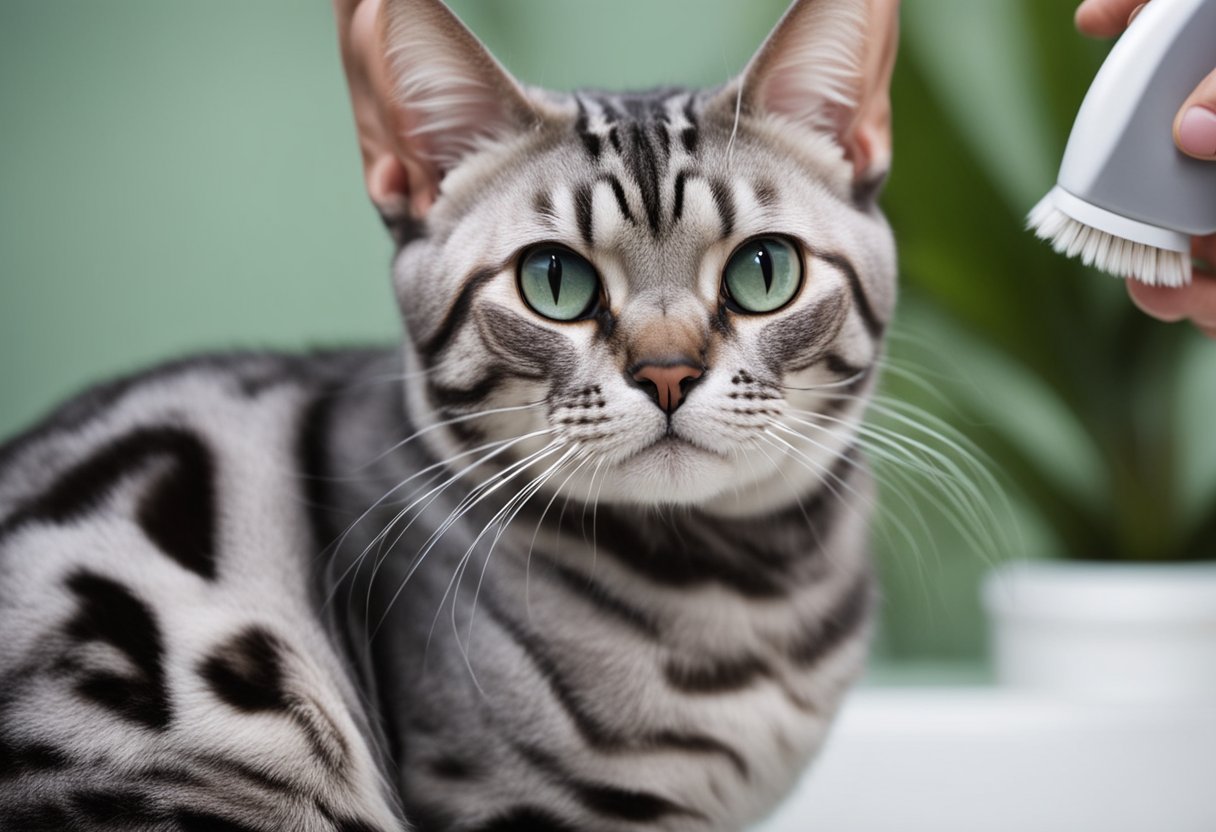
(1091, 413)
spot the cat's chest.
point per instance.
(703, 696)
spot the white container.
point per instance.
(1105, 632)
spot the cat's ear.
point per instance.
(827, 67)
(443, 95)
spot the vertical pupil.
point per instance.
(555, 276)
(765, 261)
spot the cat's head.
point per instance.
(666, 297)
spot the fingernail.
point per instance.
(1197, 131)
(1136, 11)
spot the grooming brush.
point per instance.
(1127, 201)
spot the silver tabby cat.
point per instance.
(586, 553)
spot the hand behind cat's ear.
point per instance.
(827, 66)
(425, 93)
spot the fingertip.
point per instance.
(1195, 131)
(1160, 302)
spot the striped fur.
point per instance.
(480, 582)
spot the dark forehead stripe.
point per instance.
(677, 208)
(724, 200)
(109, 613)
(688, 136)
(622, 203)
(582, 212)
(591, 141)
(646, 169)
(178, 511)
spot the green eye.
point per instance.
(558, 283)
(763, 274)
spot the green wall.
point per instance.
(184, 176)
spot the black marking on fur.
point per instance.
(114, 806)
(457, 314)
(178, 511)
(715, 676)
(621, 202)
(230, 768)
(847, 615)
(603, 799)
(595, 734)
(766, 194)
(526, 819)
(453, 768)
(594, 593)
(526, 349)
(459, 397)
(677, 209)
(247, 672)
(582, 212)
(542, 203)
(190, 820)
(725, 203)
(591, 142)
(701, 744)
(16, 759)
(837, 365)
(645, 170)
(664, 140)
(688, 136)
(797, 340)
(42, 817)
(111, 614)
(695, 553)
(614, 139)
(354, 825)
(873, 324)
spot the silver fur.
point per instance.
(482, 582)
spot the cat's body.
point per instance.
(527, 573)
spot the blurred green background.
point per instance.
(184, 176)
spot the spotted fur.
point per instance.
(481, 582)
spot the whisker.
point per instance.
(470, 501)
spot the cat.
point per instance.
(586, 552)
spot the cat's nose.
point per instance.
(666, 382)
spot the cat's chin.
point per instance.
(669, 471)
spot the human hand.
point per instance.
(1195, 135)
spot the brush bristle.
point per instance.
(1115, 255)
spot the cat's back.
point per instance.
(162, 655)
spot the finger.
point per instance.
(1203, 249)
(1195, 126)
(1105, 18)
(1196, 300)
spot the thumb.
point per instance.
(1195, 126)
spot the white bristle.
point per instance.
(1148, 264)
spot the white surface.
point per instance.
(988, 760)
(1106, 632)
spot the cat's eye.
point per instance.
(763, 274)
(558, 284)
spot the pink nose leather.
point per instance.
(667, 382)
